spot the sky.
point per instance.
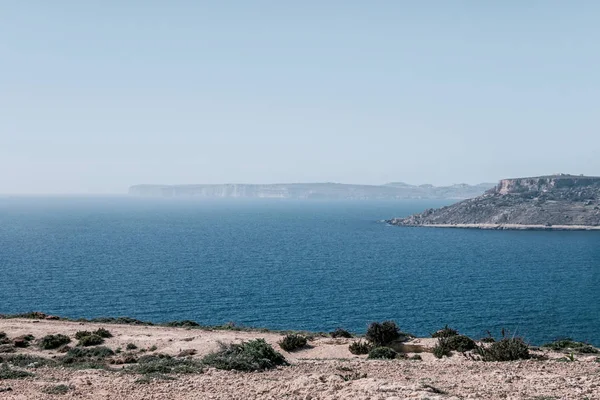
(99, 95)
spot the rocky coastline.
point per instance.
(555, 202)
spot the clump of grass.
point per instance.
(8, 373)
(445, 332)
(57, 389)
(360, 347)
(255, 355)
(383, 333)
(131, 346)
(506, 349)
(50, 342)
(293, 342)
(341, 333)
(382, 353)
(567, 344)
(90, 340)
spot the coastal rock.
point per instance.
(546, 202)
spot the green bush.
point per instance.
(384, 353)
(81, 334)
(382, 334)
(442, 348)
(445, 332)
(360, 347)
(341, 333)
(91, 340)
(131, 346)
(27, 361)
(103, 333)
(255, 355)
(183, 324)
(293, 342)
(507, 349)
(461, 343)
(8, 373)
(4, 338)
(51, 342)
(569, 344)
(86, 358)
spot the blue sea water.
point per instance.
(293, 265)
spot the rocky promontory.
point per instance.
(545, 202)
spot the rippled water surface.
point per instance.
(293, 265)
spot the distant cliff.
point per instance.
(333, 191)
(545, 202)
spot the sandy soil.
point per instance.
(325, 370)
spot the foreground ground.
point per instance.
(324, 370)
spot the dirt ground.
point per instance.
(324, 370)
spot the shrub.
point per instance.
(8, 373)
(103, 333)
(131, 346)
(81, 334)
(23, 341)
(460, 343)
(165, 364)
(86, 358)
(445, 332)
(56, 390)
(152, 348)
(507, 349)
(293, 342)
(98, 353)
(183, 324)
(360, 347)
(91, 340)
(4, 338)
(442, 348)
(341, 333)
(382, 334)
(50, 342)
(255, 355)
(384, 353)
(569, 344)
(27, 361)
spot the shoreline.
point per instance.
(513, 227)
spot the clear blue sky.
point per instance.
(98, 95)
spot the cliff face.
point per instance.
(333, 191)
(557, 200)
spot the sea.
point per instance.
(291, 264)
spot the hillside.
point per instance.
(545, 202)
(327, 191)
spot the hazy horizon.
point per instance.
(98, 96)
